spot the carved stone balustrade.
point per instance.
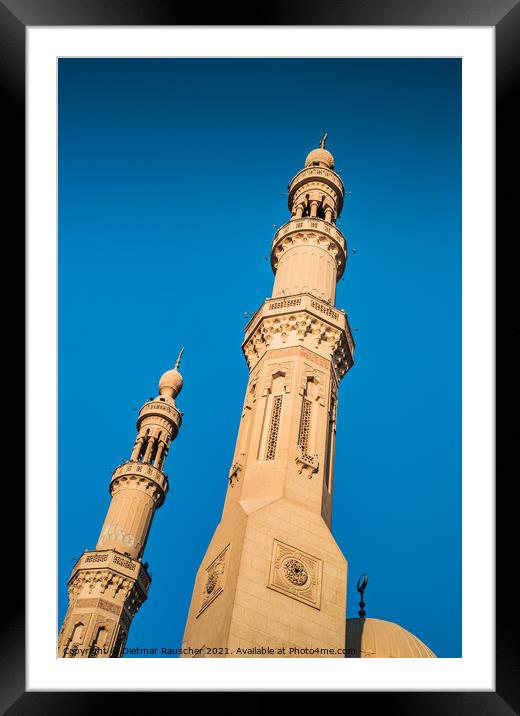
(300, 320)
(317, 175)
(141, 476)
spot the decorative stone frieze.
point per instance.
(308, 327)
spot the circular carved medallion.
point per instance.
(295, 572)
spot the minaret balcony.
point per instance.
(307, 223)
(300, 320)
(326, 233)
(319, 174)
(114, 561)
(161, 409)
(300, 302)
(141, 476)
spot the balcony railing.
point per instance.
(319, 173)
(274, 306)
(103, 559)
(311, 224)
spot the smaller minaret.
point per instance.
(108, 585)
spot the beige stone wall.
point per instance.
(255, 607)
(264, 616)
(210, 615)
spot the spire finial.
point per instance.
(178, 361)
(361, 586)
(323, 140)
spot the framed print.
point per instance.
(157, 152)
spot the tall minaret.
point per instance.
(108, 585)
(273, 577)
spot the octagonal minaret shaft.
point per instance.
(273, 544)
(298, 347)
(108, 585)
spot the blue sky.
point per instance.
(172, 174)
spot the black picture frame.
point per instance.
(504, 15)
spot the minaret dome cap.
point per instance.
(171, 383)
(320, 156)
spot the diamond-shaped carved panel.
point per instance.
(215, 579)
(296, 573)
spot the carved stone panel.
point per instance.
(215, 579)
(284, 369)
(296, 574)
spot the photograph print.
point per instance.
(259, 344)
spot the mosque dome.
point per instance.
(379, 639)
(320, 156)
(171, 383)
